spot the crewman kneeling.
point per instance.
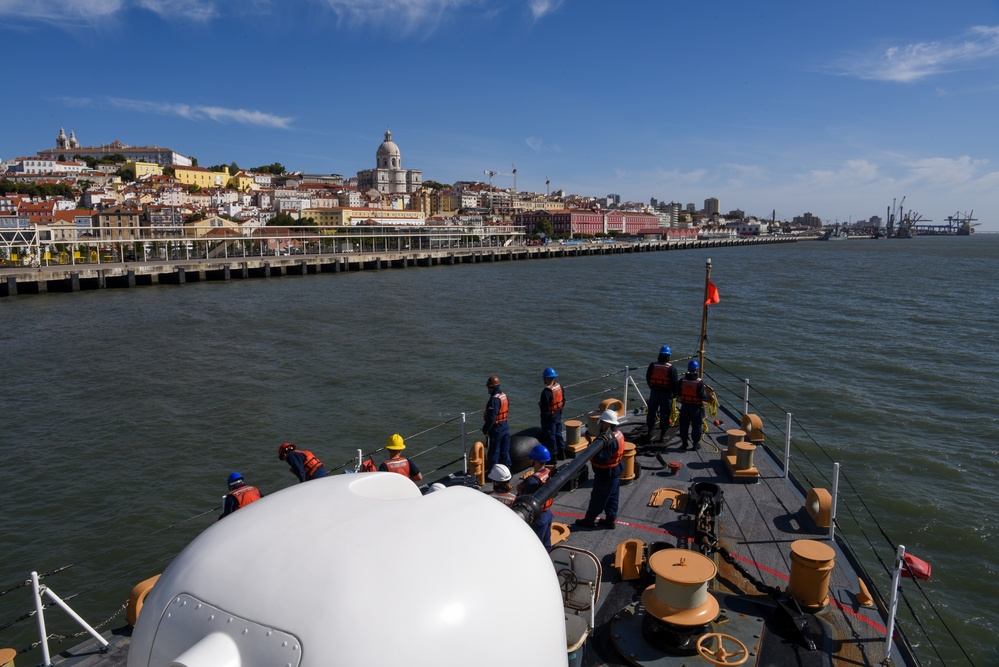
(399, 463)
(240, 495)
(543, 526)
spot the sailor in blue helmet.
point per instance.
(693, 395)
(664, 382)
(240, 495)
(495, 425)
(551, 403)
(543, 526)
(607, 468)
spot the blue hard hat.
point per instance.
(540, 453)
(664, 350)
(234, 477)
(693, 365)
(549, 373)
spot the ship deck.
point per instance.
(757, 525)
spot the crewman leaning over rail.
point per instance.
(543, 525)
(302, 462)
(693, 396)
(551, 403)
(502, 487)
(240, 495)
(664, 382)
(397, 462)
(607, 468)
(495, 426)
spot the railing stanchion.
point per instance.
(787, 445)
(360, 460)
(835, 497)
(46, 659)
(464, 447)
(745, 397)
(893, 604)
(627, 378)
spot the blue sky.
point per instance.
(832, 108)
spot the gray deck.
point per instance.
(757, 525)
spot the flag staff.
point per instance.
(704, 318)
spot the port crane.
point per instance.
(962, 224)
(490, 173)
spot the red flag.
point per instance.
(712, 294)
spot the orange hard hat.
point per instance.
(493, 381)
(284, 448)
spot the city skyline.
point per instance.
(833, 111)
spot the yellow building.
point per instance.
(243, 181)
(210, 226)
(203, 178)
(141, 169)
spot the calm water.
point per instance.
(122, 412)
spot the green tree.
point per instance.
(544, 227)
(282, 220)
(194, 161)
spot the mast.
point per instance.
(704, 318)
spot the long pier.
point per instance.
(17, 281)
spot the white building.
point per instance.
(388, 176)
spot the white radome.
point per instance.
(357, 570)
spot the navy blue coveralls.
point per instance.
(606, 481)
(296, 461)
(498, 431)
(661, 397)
(543, 526)
(551, 423)
(693, 396)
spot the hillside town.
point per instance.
(117, 192)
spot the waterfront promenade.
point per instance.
(76, 276)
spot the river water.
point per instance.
(122, 411)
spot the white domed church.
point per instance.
(388, 176)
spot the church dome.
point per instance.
(388, 156)
(388, 146)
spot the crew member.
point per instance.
(240, 495)
(496, 426)
(543, 525)
(607, 468)
(502, 488)
(664, 381)
(397, 462)
(551, 404)
(693, 395)
(303, 463)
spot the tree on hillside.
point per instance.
(277, 169)
(544, 226)
(282, 220)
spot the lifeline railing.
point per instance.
(739, 391)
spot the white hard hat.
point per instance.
(436, 486)
(500, 473)
(610, 417)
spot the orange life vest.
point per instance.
(558, 400)
(504, 408)
(689, 392)
(400, 466)
(542, 476)
(616, 456)
(504, 497)
(660, 376)
(311, 463)
(245, 495)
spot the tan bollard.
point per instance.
(593, 424)
(612, 404)
(811, 566)
(477, 463)
(734, 435)
(744, 455)
(629, 473)
(7, 656)
(680, 595)
(572, 429)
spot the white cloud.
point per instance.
(193, 112)
(60, 11)
(406, 15)
(196, 10)
(541, 8)
(912, 62)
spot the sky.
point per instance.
(830, 108)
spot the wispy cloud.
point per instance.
(406, 15)
(195, 10)
(540, 8)
(60, 11)
(912, 62)
(539, 145)
(193, 112)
